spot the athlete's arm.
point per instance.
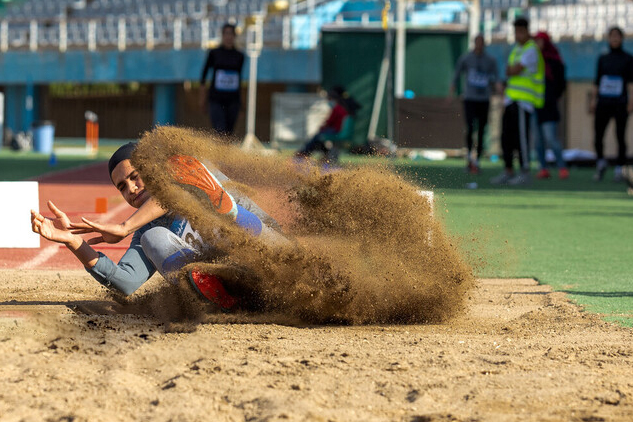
(114, 233)
(59, 230)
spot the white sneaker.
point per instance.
(617, 174)
(501, 179)
(601, 168)
(523, 178)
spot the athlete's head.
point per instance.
(616, 36)
(126, 178)
(521, 30)
(479, 44)
(228, 35)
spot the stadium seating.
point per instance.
(576, 19)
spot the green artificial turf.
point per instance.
(575, 235)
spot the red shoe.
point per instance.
(473, 168)
(189, 171)
(210, 287)
(563, 174)
(543, 174)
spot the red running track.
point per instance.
(75, 192)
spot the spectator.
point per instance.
(611, 99)
(343, 106)
(525, 92)
(481, 77)
(224, 95)
(546, 119)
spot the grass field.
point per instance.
(574, 235)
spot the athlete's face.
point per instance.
(479, 44)
(128, 181)
(228, 38)
(615, 40)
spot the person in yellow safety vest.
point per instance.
(524, 93)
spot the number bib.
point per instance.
(227, 80)
(611, 86)
(478, 79)
(181, 228)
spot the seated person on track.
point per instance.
(162, 241)
(342, 106)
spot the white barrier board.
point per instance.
(17, 199)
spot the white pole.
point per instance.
(475, 18)
(92, 35)
(122, 34)
(401, 40)
(204, 33)
(4, 36)
(177, 34)
(149, 33)
(63, 35)
(33, 35)
(254, 47)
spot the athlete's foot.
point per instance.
(210, 287)
(502, 178)
(563, 173)
(189, 171)
(543, 174)
(601, 169)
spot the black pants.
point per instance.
(604, 113)
(224, 115)
(515, 136)
(476, 111)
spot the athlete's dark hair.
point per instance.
(229, 26)
(521, 22)
(123, 153)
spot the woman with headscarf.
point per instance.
(548, 117)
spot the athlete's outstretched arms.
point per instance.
(113, 232)
(59, 230)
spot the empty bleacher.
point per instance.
(575, 19)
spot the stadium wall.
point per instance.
(352, 58)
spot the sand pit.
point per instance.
(520, 353)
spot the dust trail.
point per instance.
(367, 249)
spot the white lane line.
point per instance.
(44, 255)
(50, 251)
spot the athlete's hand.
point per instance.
(56, 229)
(108, 232)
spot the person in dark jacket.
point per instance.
(224, 95)
(547, 118)
(611, 100)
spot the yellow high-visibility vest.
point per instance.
(527, 86)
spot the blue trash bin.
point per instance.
(43, 135)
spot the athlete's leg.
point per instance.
(621, 117)
(470, 113)
(232, 111)
(482, 121)
(601, 121)
(166, 251)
